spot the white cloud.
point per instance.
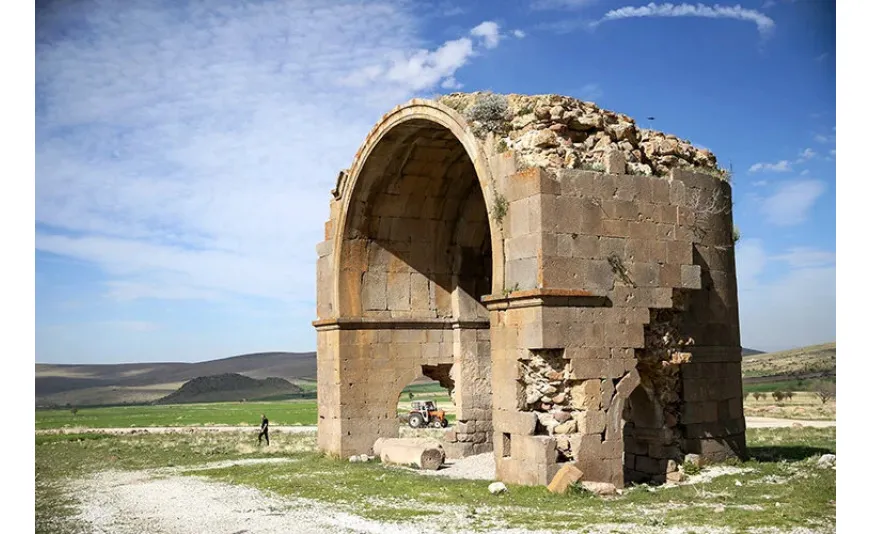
(805, 172)
(786, 300)
(791, 203)
(806, 155)
(780, 166)
(764, 23)
(759, 183)
(488, 31)
(561, 4)
(821, 138)
(519, 34)
(188, 152)
(407, 71)
(800, 257)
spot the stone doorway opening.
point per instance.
(433, 384)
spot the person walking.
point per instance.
(264, 430)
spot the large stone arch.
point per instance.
(413, 253)
(611, 265)
(408, 124)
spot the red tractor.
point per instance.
(426, 413)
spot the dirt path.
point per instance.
(166, 501)
(153, 501)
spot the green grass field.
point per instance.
(780, 486)
(281, 412)
(290, 412)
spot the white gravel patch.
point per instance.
(709, 473)
(477, 467)
(132, 503)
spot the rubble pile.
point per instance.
(560, 132)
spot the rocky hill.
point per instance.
(90, 385)
(805, 363)
(229, 387)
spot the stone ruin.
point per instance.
(568, 276)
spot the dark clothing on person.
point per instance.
(264, 431)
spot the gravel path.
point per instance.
(160, 502)
(135, 502)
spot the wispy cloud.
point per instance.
(519, 34)
(779, 166)
(791, 203)
(806, 155)
(416, 70)
(488, 31)
(561, 4)
(187, 150)
(764, 23)
(787, 300)
(759, 183)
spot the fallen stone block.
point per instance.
(599, 488)
(424, 456)
(567, 475)
(381, 442)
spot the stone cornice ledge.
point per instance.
(545, 297)
(390, 323)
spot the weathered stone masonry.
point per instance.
(585, 316)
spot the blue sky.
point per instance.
(185, 150)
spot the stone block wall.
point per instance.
(591, 257)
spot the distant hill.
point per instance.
(806, 363)
(751, 352)
(88, 385)
(229, 387)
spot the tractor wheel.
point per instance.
(439, 423)
(415, 421)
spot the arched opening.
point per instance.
(414, 259)
(644, 459)
(417, 240)
(434, 385)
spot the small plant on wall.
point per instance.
(499, 208)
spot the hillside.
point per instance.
(85, 385)
(229, 387)
(806, 363)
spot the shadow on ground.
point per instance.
(793, 453)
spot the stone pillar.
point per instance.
(472, 433)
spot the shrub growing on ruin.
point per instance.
(490, 112)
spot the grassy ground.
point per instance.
(780, 486)
(284, 412)
(290, 412)
(803, 405)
